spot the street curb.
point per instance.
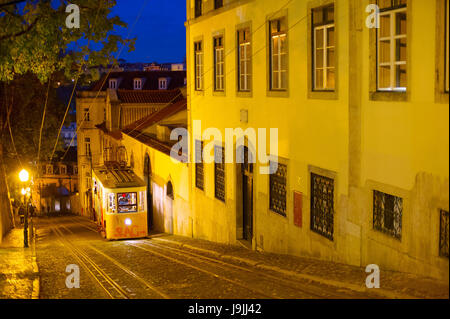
(318, 280)
(36, 281)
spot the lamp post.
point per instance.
(24, 177)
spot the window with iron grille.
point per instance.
(278, 189)
(198, 8)
(322, 205)
(219, 62)
(443, 234)
(219, 173)
(324, 48)
(387, 214)
(244, 60)
(278, 54)
(391, 46)
(198, 51)
(218, 4)
(199, 172)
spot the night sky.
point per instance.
(160, 31)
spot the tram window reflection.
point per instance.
(127, 202)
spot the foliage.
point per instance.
(34, 38)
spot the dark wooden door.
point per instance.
(247, 196)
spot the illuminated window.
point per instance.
(87, 145)
(137, 84)
(244, 60)
(219, 62)
(391, 46)
(278, 54)
(324, 48)
(198, 66)
(162, 84)
(112, 203)
(113, 84)
(87, 116)
(219, 173)
(142, 201)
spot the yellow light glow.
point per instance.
(24, 191)
(24, 176)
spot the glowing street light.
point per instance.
(24, 175)
(24, 191)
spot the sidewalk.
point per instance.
(19, 275)
(394, 285)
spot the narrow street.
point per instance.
(157, 268)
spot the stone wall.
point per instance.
(6, 222)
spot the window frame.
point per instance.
(219, 66)
(218, 169)
(248, 62)
(198, 8)
(137, 84)
(392, 38)
(87, 114)
(442, 51)
(111, 81)
(199, 164)
(272, 208)
(382, 228)
(87, 147)
(165, 86)
(272, 36)
(198, 66)
(384, 95)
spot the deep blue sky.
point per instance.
(160, 31)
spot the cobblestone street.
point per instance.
(166, 266)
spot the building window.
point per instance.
(387, 214)
(443, 234)
(113, 84)
(278, 189)
(322, 205)
(75, 169)
(49, 169)
(278, 54)
(63, 170)
(219, 62)
(447, 62)
(244, 60)
(87, 143)
(323, 48)
(219, 173)
(137, 84)
(218, 4)
(198, 8)
(199, 172)
(391, 46)
(87, 116)
(198, 66)
(162, 84)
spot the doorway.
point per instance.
(148, 182)
(247, 195)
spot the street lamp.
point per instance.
(24, 177)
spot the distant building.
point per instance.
(113, 103)
(56, 187)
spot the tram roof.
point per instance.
(114, 176)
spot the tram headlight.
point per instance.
(128, 222)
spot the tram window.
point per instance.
(141, 201)
(112, 203)
(127, 202)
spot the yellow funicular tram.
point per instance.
(120, 202)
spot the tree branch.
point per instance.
(17, 34)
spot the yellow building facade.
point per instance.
(363, 122)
